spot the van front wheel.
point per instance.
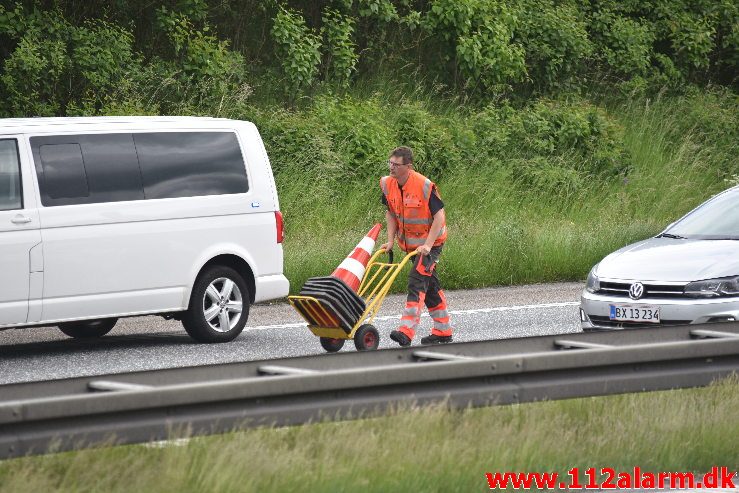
(88, 329)
(219, 306)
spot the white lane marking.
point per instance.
(517, 307)
(451, 312)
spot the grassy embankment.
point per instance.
(532, 195)
(431, 449)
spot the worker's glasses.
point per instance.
(391, 164)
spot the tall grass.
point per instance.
(514, 216)
(416, 449)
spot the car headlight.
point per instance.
(725, 286)
(593, 284)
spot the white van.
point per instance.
(111, 217)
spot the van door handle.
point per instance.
(20, 220)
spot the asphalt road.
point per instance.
(275, 331)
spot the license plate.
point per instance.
(635, 313)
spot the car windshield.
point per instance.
(717, 219)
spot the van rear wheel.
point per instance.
(219, 306)
(88, 329)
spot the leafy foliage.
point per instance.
(297, 47)
(624, 44)
(341, 56)
(481, 33)
(75, 57)
(555, 39)
(57, 68)
(384, 10)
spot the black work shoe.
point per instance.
(400, 338)
(434, 339)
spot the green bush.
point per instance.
(692, 40)
(591, 141)
(341, 54)
(360, 131)
(439, 144)
(556, 41)
(474, 50)
(34, 73)
(31, 77)
(480, 33)
(298, 49)
(202, 71)
(56, 68)
(297, 143)
(383, 10)
(624, 44)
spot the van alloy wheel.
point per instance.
(222, 304)
(219, 305)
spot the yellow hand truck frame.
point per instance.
(375, 285)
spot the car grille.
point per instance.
(621, 290)
(607, 322)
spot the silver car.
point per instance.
(688, 274)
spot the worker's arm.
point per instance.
(392, 229)
(434, 232)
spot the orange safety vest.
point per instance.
(411, 209)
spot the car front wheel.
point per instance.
(219, 306)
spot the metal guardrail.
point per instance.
(137, 407)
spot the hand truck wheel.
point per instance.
(332, 345)
(366, 338)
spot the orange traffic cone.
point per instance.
(351, 270)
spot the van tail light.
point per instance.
(280, 227)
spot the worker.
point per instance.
(415, 216)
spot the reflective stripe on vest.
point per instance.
(418, 241)
(426, 190)
(383, 185)
(408, 220)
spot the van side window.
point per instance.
(64, 171)
(112, 167)
(189, 164)
(86, 169)
(10, 176)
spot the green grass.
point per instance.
(416, 449)
(506, 230)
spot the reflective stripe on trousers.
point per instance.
(412, 316)
(441, 317)
(424, 289)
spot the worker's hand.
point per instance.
(423, 250)
(386, 246)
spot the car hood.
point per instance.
(667, 259)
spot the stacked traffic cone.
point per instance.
(338, 292)
(351, 270)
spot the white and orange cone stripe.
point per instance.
(351, 270)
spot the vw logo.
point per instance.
(636, 291)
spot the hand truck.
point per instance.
(375, 285)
